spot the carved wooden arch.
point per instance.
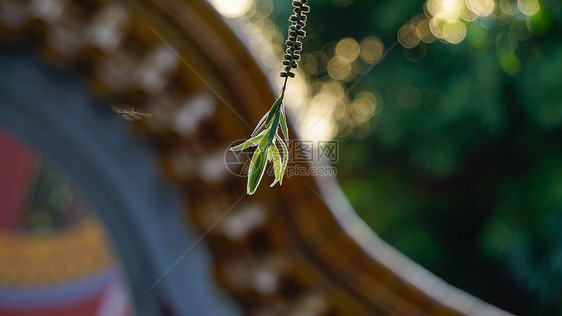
(295, 249)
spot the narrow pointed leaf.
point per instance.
(270, 153)
(276, 163)
(273, 129)
(256, 170)
(285, 158)
(260, 125)
(254, 141)
(273, 110)
(284, 128)
(263, 142)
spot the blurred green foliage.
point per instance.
(53, 202)
(466, 177)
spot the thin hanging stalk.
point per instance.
(265, 136)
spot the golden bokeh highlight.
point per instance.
(407, 36)
(508, 7)
(528, 7)
(263, 8)
(448, 10)
(480, 7)
(232, 8)
(339, 69)
(434, 27)
(310, 64)
(347, 50)
(423, 31)
(299, 90)
(324, 108)
(454, 33)
(359, 67)
(468, 16)
(363, 107)
(447, 19)
(371, 50)
(318, 121)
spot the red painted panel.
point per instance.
(88, 308)
(17, 170)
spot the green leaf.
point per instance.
(285, 158)
(260, 125)
(270, 153)
(276, 163)
(273, 129)
(249, 143)
(284, 124)
(264, 140)
(273, 110)
(268, 125)
(256, 170)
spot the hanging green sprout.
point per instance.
(265, 135)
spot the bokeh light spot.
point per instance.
(480, 7)
(264, 8)
(232, 8)
(454, 33)
(407, 36)
(339, 69)
(372, 49)
(310, 64)
(508, 7)
(363, 106)
(424, 32)
(347, 50)
(449, 10)
(528, 7)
